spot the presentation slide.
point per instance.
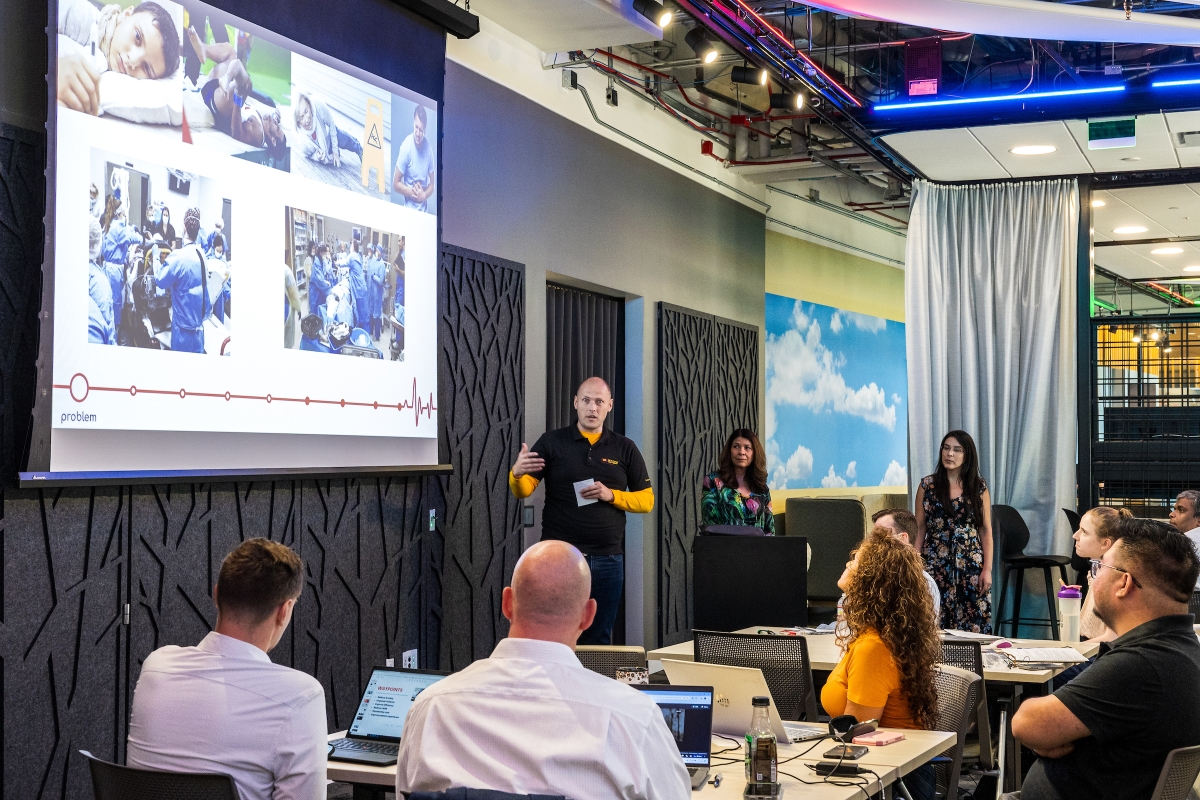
(386, 701)
(193, 148)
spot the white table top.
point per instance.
(890, 762)
(824, 655)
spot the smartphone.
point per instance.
(846, 751)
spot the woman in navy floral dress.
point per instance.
(954, 534)
(737, 493)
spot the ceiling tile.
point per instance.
(1118, 213)
(1154, 149)
(1175, 208)
(1066, 160)
(946, 155)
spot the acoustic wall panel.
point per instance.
(707, 385)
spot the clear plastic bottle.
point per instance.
(1069, 607)
(762, 757)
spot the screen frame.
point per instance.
(36, 449)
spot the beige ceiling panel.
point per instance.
(1118, 213)
(1175, 208)
(946, 155)
(1154, 149)
(1065, 160)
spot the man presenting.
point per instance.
(593, 476)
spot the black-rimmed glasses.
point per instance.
(1097, 564)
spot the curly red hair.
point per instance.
(887, 593)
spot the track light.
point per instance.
(703, 47)
(1137, 337)
(657, 13)
(749, 75)
(788, 101)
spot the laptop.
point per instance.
(374, 734)
(688, 712)
(734, 689)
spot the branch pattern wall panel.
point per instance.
(481, 384)
(708, 385)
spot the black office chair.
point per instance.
(1080, 564)
(968, 654)
(115, 782)
(783, 660)
(1012, 531)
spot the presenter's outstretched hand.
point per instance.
(527, 462)
(597, 491)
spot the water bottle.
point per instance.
(1069, 600)
(762, 759)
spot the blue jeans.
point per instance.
(348, 142)
(608, 578)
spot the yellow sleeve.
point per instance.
(523, 486)
(640, 502)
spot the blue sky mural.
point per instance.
(837, 394)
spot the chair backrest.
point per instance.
(606, 659)
(783, 660)
(115, 782)
(963, 653)
(1194, 604)
(462, 793)
(1015, 533)
(1178, 774)
(874, 503)
(958, 697)
(834, 527)
(1078, 562)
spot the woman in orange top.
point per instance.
(890, 644)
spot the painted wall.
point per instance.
(814, 274)
(523, 183)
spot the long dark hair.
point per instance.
(756, 473)
(972, 484)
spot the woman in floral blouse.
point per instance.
(737, 493)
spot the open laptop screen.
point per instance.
(385, 703)
(687, 710)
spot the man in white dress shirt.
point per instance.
(1185, 518)
(531, 719)
(223, 706)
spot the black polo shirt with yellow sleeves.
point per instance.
(597, 529)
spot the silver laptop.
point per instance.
(688, 712)
(374, 735)
(734, 689)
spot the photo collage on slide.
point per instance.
(161, 244)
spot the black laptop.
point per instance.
(374, 735)
(688, 712)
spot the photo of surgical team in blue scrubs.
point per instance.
(343, 287)
(160, 258)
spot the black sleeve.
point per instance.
(635, 470)
(1111, 696)
(542, 448)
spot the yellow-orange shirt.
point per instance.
(868, 675)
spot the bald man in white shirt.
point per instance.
(531, 719)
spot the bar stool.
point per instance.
(1015, 537)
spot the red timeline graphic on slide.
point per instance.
(80, 389)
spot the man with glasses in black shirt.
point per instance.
(1107, 733)
(591, 517)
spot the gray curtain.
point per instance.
(585, 336)
(990, 306)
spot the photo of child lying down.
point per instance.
(121, 60)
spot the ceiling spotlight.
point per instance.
(1192, 268)
(701, 45)
(788, 101)
(749, 75)
(1166, 349)
(657, 13)
(1166, 251)
(1137, 337)
(1097, 203)
(1033, 150)
(1154, 336)
(1130, 229)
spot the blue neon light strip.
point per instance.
(1189, 82)
(998, 98)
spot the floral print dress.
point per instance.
(954, 557)
(725, 505)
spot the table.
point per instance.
(891, 762)
(824, 654)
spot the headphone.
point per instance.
(844, 728)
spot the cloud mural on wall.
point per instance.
(836, 388)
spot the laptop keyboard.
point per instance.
(367, 747)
